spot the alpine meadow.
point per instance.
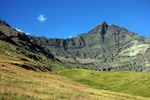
(74, 50)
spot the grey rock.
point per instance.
(105, 48)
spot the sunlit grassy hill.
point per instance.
(136, 83)
(17, 83)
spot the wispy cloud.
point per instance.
(41, 18)
(70, 36)
(27, 33)
(18, 29)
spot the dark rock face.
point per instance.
(19, 39)
(106, 48)
(76, 47)
(4, 23)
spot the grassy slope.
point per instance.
(17, 83)
(10, 50)
(135, 83)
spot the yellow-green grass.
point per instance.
(10, 50)
(135, 83)
(17, 83)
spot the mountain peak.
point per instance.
(105, 45)
(103, 23)
(4, 23)
(100, 29)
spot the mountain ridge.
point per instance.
(106, 47)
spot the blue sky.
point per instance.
(68, 18)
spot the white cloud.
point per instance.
(18, 29)
(41, 18)
(27, 33)
(70, 36)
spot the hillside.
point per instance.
(17, 83)
(104, 48)
(36, 68)
(24, 47)
(135, 83)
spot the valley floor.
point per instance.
(17, 83)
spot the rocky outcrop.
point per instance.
(21, 40)
(106, 47)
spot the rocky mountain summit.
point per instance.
(106, 48)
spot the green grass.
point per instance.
(10, 50)
(17, 83)
(135, 83)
